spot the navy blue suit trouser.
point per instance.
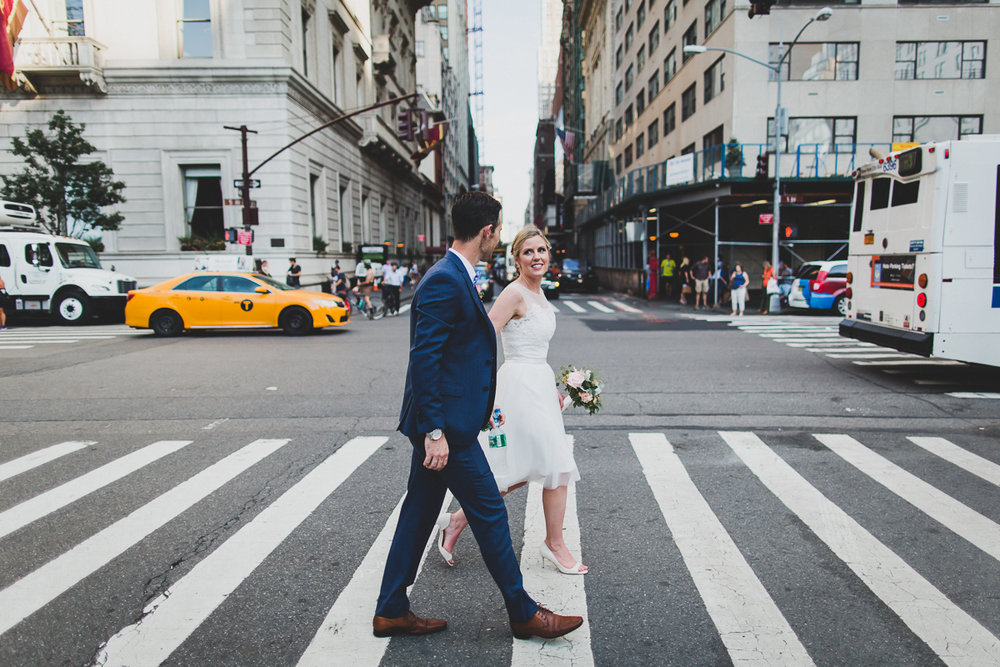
(470, 479)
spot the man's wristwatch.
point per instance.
(435, 434)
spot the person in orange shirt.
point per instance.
(766, 276)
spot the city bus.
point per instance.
(924, 260)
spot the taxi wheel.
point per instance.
(296, 321)
(166, 323)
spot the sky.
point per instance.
(511, 36)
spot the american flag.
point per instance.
(568, 140)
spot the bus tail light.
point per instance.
(922, 281)
(921, 299)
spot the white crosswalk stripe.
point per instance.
(749, 623)
(952, 633)
(573, 305)
(27, 337)
(746, 611)
(168, 620)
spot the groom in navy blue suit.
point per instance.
(448, 399)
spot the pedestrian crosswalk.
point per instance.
(573, 305)
(755, 618)
(26, 338)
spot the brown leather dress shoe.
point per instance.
(408, 624)
(546, 625)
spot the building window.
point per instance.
(618, 20)
(653, 133)
(629, 116)
(337, 71)
(940, 60)
(715, 11)
(670, 66)
(640, 102)
(618, 57)
(628, 156)
(816, 61)
(640, 58)
(618, 165)
(640, 17)
(306, 37)
(689, 102)
(640, 146)
(669, 15)
(418, 48)
(670, 119)
(203, 200)
(713, 146)
(196, 29)
(74, 18)
(619, 93)
(934, 128)
(653, 87)
(366, 218)
(629, 76)
(629, 36)
(715, 81)
(444, 33)
(314, 204)
(344, 214)
(690, 37)
(654, 38)
(619, 129)
(442, 12)
(829, 134)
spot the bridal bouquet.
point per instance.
(582, 386)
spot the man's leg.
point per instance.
(424, 496)
(469, 477)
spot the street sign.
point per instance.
(244, 237)
(420, 238)
(765, 218)
(238, 183)
(238, 202)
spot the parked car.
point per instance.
(484, 282)
(577, 275)
(217, 299)
(820, 286)
(550, 286)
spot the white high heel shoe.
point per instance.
(442, 523)
(547, 554)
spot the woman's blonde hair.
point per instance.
(527, 232)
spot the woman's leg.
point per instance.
(554, 508)
(459, 522)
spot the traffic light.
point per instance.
(762, 165)
(230, 234)
(404, 124)
(789, 231)
(760, 7)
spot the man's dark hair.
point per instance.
(472, 211)
(291, 259)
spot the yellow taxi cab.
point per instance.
(224, 299)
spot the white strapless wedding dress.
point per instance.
(536, 450)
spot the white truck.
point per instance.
(55, 275)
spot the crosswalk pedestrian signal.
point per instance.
(762, 166)
(790, 231)
(231, 234)
(404, 124)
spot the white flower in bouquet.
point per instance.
(582, 387)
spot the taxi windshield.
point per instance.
(77, 256)
(271, 282)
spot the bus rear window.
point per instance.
(880, 193)
(905, 193)
(859, 205)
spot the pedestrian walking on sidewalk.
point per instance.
(738, 280)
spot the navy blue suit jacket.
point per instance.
(451, 376)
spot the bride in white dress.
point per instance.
(536, 450)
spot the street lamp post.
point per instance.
(822, 15)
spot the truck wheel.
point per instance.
(166, 323)
(72, 307)
(840, 305)
(295, 321)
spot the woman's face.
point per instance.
(533, 260)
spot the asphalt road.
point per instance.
(750, 492)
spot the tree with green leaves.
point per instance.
(61, 187)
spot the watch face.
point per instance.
(435, 434)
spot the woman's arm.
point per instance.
(509, 305)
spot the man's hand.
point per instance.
(436, 453)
